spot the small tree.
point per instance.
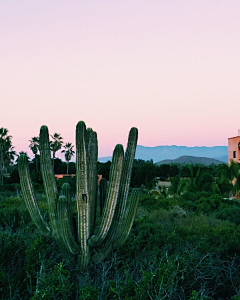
(228, 178)
(34, 146)
(202, 181)
(7, 153)
(68, 150)
(55, 144)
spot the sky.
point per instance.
(170, 68)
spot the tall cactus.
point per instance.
(102, 193)
(117, 211)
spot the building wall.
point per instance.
(233, 146)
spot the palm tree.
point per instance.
(201, 181)
(68, 153)
(6, 151)
(235, 177)
(174, 185)
(55, 144)
(228, 178)
(34, 146)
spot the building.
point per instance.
(234, 148)
(60, 176)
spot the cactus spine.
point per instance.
(117, 212)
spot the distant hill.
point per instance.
(105, 159)
(223, 158)
(160, 153)
(190, 160)
(172, 152)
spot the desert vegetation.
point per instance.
(184, 243)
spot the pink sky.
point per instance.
(170, 68)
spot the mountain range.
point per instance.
(160, 153)
(191, 160)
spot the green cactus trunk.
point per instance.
(49, 181)
(102, 193)
(29, 196)
(117, 211)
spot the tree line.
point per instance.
(8, 154)
(56, 144)
(223, 179)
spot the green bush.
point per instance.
(54, 284)
(88, 292)
(178, 248)
(230, 213)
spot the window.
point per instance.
(234, 154)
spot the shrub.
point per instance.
(54, 284)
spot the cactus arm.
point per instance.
(112, 195)
(100, 255)
(82, 196)
(121, 207)
(65, 219)
(29, 196)
(66, 191)
(124, 182)
(118, 240)
(92, 157)
(126, 176)
(103, 193)
(49, 179)
(129, 218)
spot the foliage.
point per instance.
(178, 249)
(55, 144)
(104, 169)
(34, 146)
(68, 151)
(88, 292)
(144, 173)
(6, 152)
(228, 178)
(200, 181)
(183, 246)
(174, 185)
(55, 284)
